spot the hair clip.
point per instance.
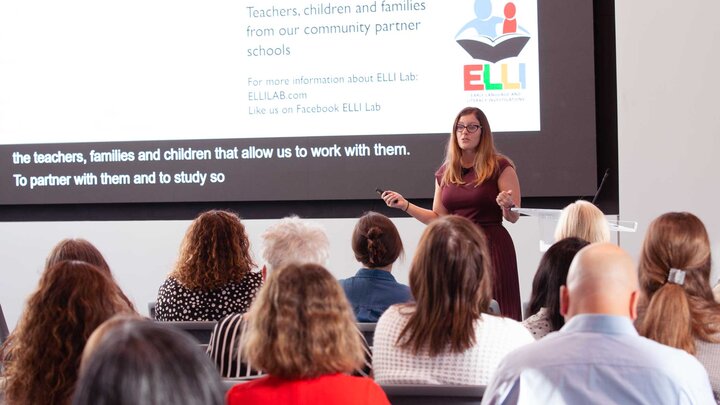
(676, 276)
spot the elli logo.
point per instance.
(481, 40)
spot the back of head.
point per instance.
(583, 220)
(601, 280)
(550, 275)
(76, 249)
(673, 311)
(302, 326)
(295, 240)
(376, 241)
(143, 362)
(44, 352)
(82, 250)
(450, 278)
(214, 252)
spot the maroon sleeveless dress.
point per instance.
(477, 203)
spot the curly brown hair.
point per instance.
(214, 252)
(42, 355)
(83, 250)
(302, 326)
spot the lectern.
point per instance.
(548, 219)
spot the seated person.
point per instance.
(290, 240)
(598, 356)
(677, 307)
(213, 276)
(41, 357)
(135, 361)
(583, 220)
(80, 249)
(446, 336)
(377, 245)
(302, 333)
(545, 298)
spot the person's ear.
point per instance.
(264, 272)
(632, 311)
(564, 301)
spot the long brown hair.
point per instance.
(83, 250)
(450, 278)
(42, 355)
(302, 326)
(674, 314)
(214, 252)
(486, 159)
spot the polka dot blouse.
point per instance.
(176, 302)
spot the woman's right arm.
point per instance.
(396, 200)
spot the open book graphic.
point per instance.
(494, 50)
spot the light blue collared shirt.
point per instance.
(599, 359)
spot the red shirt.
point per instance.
(327, 389)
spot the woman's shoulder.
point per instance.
(252, 280)
(394, 318)
(171, 285)
(504, 162)
(440, 171)
(503, 326)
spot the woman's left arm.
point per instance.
(509, 195)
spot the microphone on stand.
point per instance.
(605, 176)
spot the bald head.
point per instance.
(602, 280)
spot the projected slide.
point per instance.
(163, 101)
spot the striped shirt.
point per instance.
(225, 350)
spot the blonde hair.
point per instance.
(214, 252)
(583, 220)
(486, 159)
(295, 240)
(674, 314)
(301, 325)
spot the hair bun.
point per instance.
(374, 233)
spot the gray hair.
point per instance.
(295, 240)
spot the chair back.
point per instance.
(368, 331)
(421, 394)
(199, 330)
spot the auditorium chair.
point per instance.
(421, 394)
(368, 331)
(199, 330)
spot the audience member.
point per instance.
(80, 249)
(138, 361)
(290, 240)
(377, 245)
(302, 333)
(42, 355)
(716, 292)
(545, 297)
(583, 220)
(213, 276)
(677, 307)
(598, 356)
(102, 331)
(446, 335)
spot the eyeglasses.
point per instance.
(471, 128)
